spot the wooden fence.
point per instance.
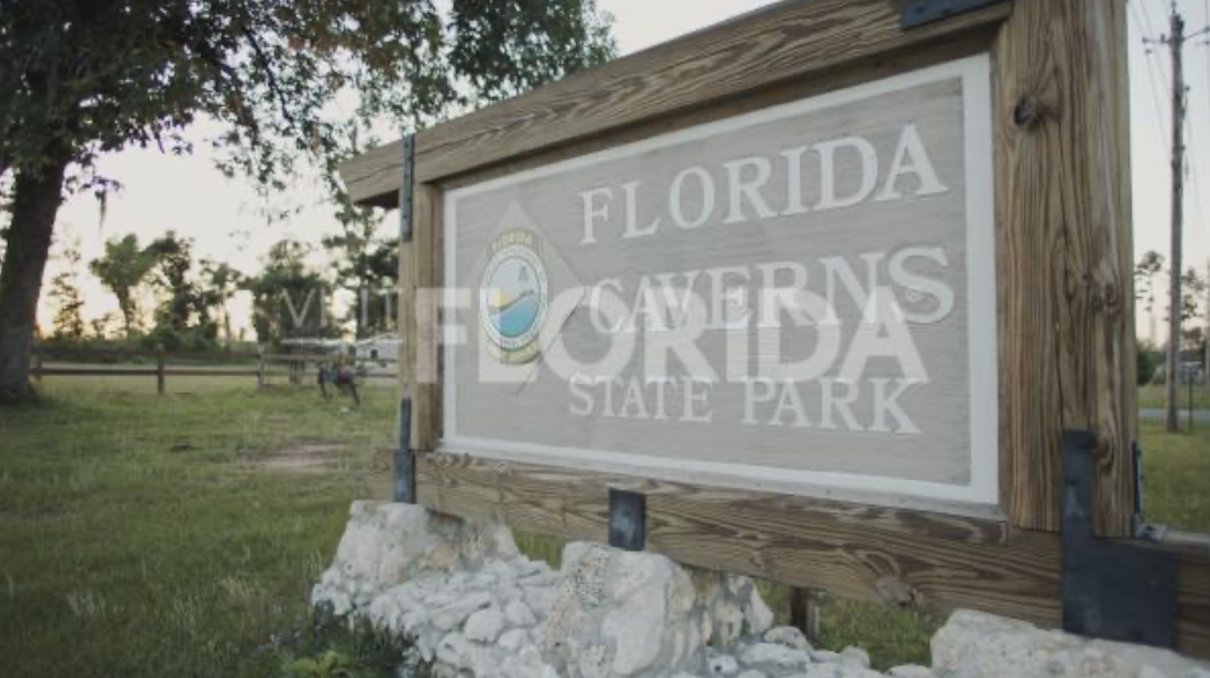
(164, 364)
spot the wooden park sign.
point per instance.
(826, 285)
(799, 298)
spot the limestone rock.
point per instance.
(757, 613)
(855, 657)
(825, 656)
(788, 636)
(776, 655)
(911, 671)
(518, 614)
(484, 626)
(722, 665)
(978, 645)
(452, 615)
(619, 613)
(514, 639)
(387, 544)
(453, 650)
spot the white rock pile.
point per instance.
(476, 608)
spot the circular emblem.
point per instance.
(513, 296)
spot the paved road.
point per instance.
(1200, 416)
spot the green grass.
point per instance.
(143, 536)
(1176, 476)
(175, 536)
(1155, 397)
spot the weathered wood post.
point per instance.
(405, 459)
(159, 370)
(1064, 234)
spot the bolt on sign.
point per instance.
(800, 298)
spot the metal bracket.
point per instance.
(627, 520)
(923, 12)
(405, 458)
(406, 202)
(1113, 590)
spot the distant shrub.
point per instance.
(1148, 363)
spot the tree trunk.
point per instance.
(126, 306)
(36, 200)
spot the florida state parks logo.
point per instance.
(513, 296)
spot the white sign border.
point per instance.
(983, 491)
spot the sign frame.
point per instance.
(981, 497)
(1066, 361)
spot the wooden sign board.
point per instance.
(800, 298)
(969, 177)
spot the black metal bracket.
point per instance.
(406, 192)
(1123, 591)
(627, 520)
(405, 458)
(922, 12)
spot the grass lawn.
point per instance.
(1155, 397)
(180, 536)
(1176, 476)
(176, 536)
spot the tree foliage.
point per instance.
(123, 268)
(1145, 271)
(367, 268)
(291, 83)
(69, 302)
(290, 300)
(184, 304)
(221, 282)
(96, 76)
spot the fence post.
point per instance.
(260, 367)
(159, 370)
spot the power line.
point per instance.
(1150, 31)
(1152, 68)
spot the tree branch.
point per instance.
(270, 76)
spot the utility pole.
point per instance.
(1176, 44)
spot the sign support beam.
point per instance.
(405, 457)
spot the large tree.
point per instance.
(367, 267)
(291, 301)
(182, 300)
(82, 78)
(221, 283)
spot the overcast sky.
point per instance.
(224, 216)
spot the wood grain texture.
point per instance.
(1193, 600)
(1065, 253)
(787, 42)
(407, 316)
(906, 558)
(977, 41)
(864, 552)
(426, 389)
